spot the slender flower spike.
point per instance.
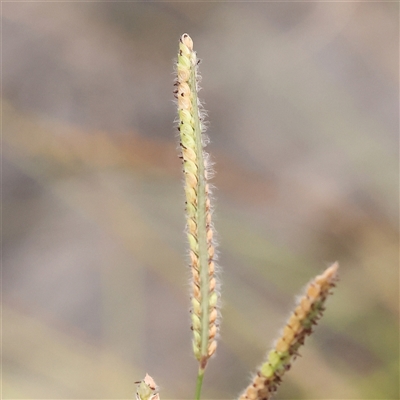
(308, 310)
(147, 389)
(198, 213)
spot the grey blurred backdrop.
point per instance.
(302, 101)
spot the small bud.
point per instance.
(187, 41)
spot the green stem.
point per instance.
(199, 383)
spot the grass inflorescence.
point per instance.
(299, 325)
(200, 234)
(198, 208)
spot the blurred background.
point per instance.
(302, 101)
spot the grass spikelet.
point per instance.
(299, 325)
(198, 211)
(147, 389)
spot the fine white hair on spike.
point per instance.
(299, 325)
(199, 227)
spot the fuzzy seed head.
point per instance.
(198, 205)
(308, 310)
